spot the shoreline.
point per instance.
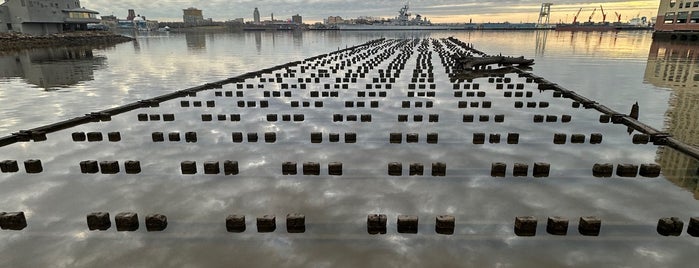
(17, 41)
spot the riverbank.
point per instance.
(17, 41)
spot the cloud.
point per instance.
(316, 10)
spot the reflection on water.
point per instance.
(57, 200)
(258, 41)
(676, 66)
(195, 41)
(541, 38)
(51, 68)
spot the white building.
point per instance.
(43, 17)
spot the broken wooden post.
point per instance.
(525, 226)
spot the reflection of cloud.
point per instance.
(336, 206)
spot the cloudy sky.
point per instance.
(436, 10)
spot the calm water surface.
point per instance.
(38, 87)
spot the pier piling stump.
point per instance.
(289, 168)
(589, 226)
(335, 169)
(407, 224)
(445, 224)
(212, 167)
(396, 138)
(670, 226)
(132, 167)
(158, 137)
(525, 226)
(416, 169)
(350, 137)
(494, 138)
(230, 168)
(499, 118)
(295, 223)
(513, 138)
(188, 167)
(577, 138)
(98, 221)
(9, 166)
(79, 136)
(478, 138)
(114, 136)
(640, 139)
(33, 166)
(156, 222)
(649, 170)
(126, 222)
(538, 118)
(89, 167)
(541, 169)
(557, 226)
(173, 136)
(235, 223)
(266, 224)
(316, 137)
(439, 169)
(270, 137)
(596, 138)
(311, 168)
(603, 170)
(190, 137)
(693, 228)
(520, 170)
(627, 170)
(395, 169)
(94, 136)
(376, 224)
(412, 138)
(237, 137)
(334, 137)
(15, 221)
(432, 138)
(252, 137)
(109, 167)
(560, 138)
(566, 118)
(498, 170)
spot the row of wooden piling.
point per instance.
(524, 226)
(498, 169)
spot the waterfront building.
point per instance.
(39, 17)
(334, 20)
(193, 17)
(132, 15)
(678, 16)
(256, 16)
(297, 19)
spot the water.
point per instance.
(617, 69)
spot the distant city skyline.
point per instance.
(443, 11)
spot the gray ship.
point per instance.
(404, 21)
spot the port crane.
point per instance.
(592, 15)
(604, 15)
(575, 18)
